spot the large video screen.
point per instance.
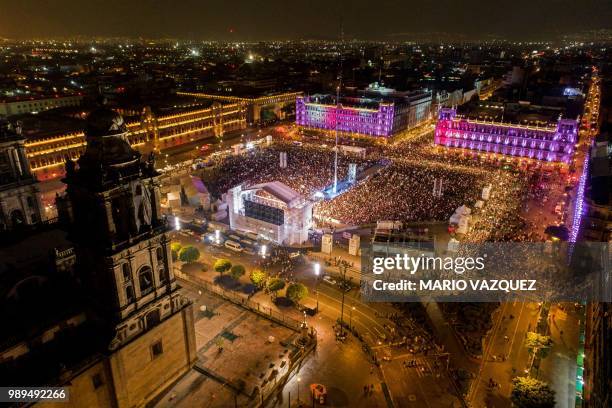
(265, 213)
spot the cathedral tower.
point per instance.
(124, 261)
(19, 200)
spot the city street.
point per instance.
(430, 384)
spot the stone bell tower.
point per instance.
(124, 261)
(19, 198)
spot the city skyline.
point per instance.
(279, 205)
(275, 20)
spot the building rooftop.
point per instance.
(50, 123)
(370, 98)
(279, 191)
(36, 97)
(518, 113)
(346, 101)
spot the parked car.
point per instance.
(329, 280)
(251, 235)
(233, 245)
(248, 242)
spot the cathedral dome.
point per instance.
(104, 122)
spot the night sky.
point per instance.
(295, 19)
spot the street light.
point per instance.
(343, 266)
(298, 390)
(351, 317)
(317, 271)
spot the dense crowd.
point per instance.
(309, 169)
(500, 219)
(404, 191)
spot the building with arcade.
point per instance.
(552, 141)
(271, 210)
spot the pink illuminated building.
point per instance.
(371, 113)
(374, 121)
(546, 143)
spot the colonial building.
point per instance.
(19, 200)
(375, 111)
(553, 142)
(126, 333)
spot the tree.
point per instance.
(237, 271)
(275, 284)
(528, 392)
(296, 292)
(189, 254)
(538, 343)
(175, 247)
(536, 340)
(219, 343)
(222, 265)
(258, 277)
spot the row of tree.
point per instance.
(295, 292)
(529, 392)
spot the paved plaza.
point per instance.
(238, 351)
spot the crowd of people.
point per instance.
(404, 191)
(500, 219)
(309, 169)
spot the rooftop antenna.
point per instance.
(338, 107)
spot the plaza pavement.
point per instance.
(252, 348)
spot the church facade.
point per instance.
(120, 262)
(19, 200)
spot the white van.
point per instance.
(233, 245)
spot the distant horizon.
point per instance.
(276, 20)
(436, 37)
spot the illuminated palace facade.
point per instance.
(368, 116)
(553, 143)
(48, 154)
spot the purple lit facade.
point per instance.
(367, 121)
(579, 207)
(553, 144)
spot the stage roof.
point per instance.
(280, 191)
